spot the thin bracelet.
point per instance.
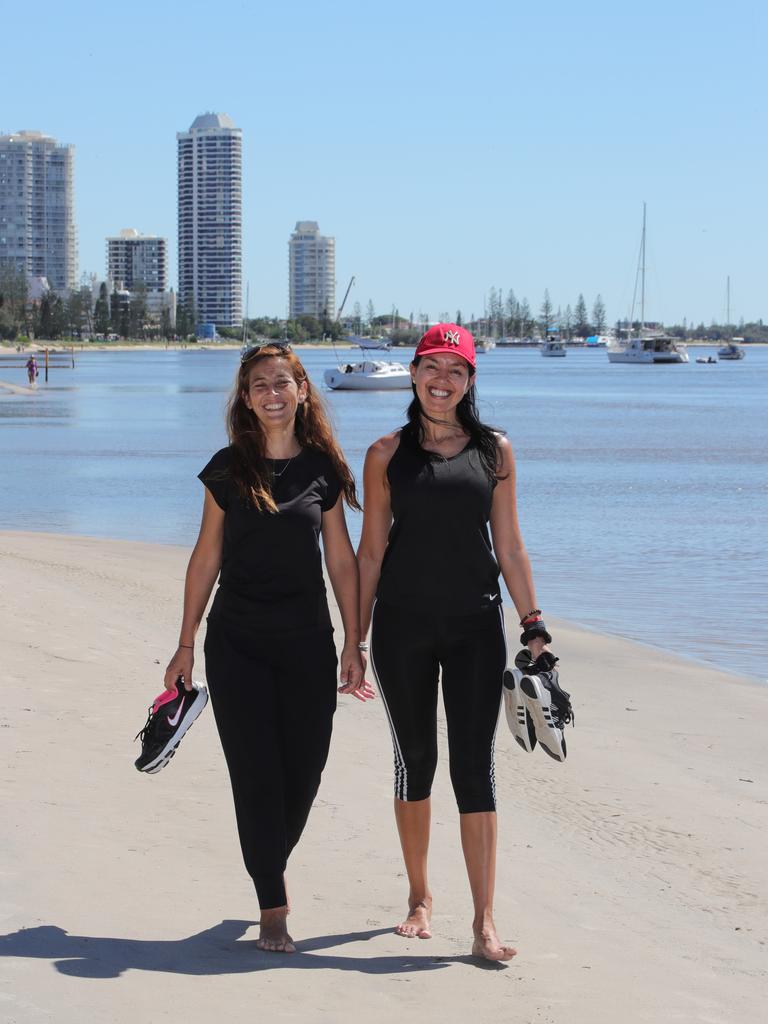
(530, 615)
(362, 646)
(189, 647)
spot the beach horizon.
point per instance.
(631, 876)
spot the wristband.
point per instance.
(535, 629)
(362, 646)
(188, 647)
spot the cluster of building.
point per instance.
(38, 234)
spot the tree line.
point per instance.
(77, 315)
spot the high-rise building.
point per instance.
(312, 271)
(140, 263)
(135, 260)
(210, 219)
(37, 208)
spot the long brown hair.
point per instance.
(250, 471)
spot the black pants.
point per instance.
(273, 698)
(407, 652)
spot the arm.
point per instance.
(377, 520)
(342, 570)
(203, 568)
(508, 541)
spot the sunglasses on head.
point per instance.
(284, 346)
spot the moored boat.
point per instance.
(370, 375)
(732, 350)
(552, 347)
(648, 347)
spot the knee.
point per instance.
(474, 788)
(414, 773)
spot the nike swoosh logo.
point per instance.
(175, 720)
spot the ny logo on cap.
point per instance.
(452, 338)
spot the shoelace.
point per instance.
(143, 732)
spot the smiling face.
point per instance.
(273, 394)
(441, 381)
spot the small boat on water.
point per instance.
(553, 347)
(705, 359)
(732, 350)
(370, 375)
(381, 344)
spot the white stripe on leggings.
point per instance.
(501, 698)
(401, 772)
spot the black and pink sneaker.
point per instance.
(169, 717)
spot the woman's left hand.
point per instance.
(353, 674)
(536, 645)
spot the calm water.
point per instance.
(642, 490)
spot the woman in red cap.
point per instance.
(429, 579)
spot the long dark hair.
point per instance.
(482, 436)
(250, 471)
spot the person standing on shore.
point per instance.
(429, 582)
(269, 652)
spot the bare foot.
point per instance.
(488, 947)
(273, 933)
(416, 925)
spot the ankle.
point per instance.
(483, 923)
(420, 900)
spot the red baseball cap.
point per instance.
(448, 338)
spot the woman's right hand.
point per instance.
(180, 666)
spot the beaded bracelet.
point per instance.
(532, 614)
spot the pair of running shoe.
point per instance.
(170, 716)
(537, 707)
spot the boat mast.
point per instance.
(642, 275)
(728, 303)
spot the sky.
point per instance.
(449, 148)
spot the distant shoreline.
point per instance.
(177, 346)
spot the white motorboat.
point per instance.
(370, 375)
(552, 347)
(649, 347)
(732, 350)
(382, 344)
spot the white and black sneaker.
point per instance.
(545, 700)
(171, 714)
(518, 718)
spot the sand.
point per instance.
(632, 878)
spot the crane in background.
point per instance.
(346, 295)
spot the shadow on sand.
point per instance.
(217, 950)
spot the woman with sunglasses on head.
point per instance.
(429, 589)
(269, 652)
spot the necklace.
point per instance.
(278, 475)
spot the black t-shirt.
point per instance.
(271, 566)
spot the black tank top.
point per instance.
(439, 554)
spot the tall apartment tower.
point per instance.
(37, 208)
(211, 220)
(312, 271)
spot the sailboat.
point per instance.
(731, 350)
(648, 347)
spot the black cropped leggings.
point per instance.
(273, 698)
(407, 652)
